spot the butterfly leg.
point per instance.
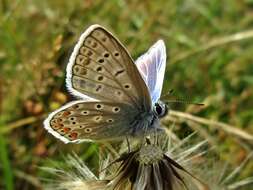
(128, 144)
(156, 137)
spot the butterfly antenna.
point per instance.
(177, 100)
(167, 94)
(184, 102)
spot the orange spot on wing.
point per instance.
(73, 135)
(66, 113)
(59, 120)
(56, 126)
(66, 129)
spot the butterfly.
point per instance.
(117, 96)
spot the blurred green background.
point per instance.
(210, 60)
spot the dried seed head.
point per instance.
(150, 154)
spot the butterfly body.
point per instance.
(118, 97)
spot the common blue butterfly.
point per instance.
(117, 96)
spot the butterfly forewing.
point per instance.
(81, 120)
(101, 68)
(151, 65)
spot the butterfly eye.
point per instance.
(160, 109)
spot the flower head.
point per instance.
(148, 168)
(154, 164)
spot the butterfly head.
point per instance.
(160, 109)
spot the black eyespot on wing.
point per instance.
(100, 78)
(99, 69)
(101, 60)
(98, 88)
(76, 106)
(94, 45)
(106, 55)
(126, 86)
(109, 120)
(119, 72)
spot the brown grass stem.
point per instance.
(219, 41)
(232, 130)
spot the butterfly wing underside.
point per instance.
(101, 68)
(86, 121)
(100, 71)
(152, 65)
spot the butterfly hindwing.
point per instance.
(83, 121)
(101, 68)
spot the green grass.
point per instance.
(206, 63)
(6, 167)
